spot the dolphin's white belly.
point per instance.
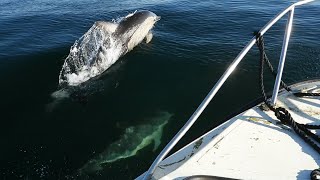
(141, 32)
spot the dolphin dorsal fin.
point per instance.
(108, 26)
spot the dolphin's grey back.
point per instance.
(132, 21)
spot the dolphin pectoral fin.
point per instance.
(148, 37)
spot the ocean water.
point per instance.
(113, 126)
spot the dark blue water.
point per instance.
(144, 98)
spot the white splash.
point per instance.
(91, 55)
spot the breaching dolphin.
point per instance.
(103, 44)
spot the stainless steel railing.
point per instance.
(226, 74)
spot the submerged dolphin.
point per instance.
(133, 140)
(103, 44)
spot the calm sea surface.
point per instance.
(114, 126)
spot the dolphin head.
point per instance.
(135, 20)
(133, 28)
(144, 14)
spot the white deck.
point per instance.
(252, 145)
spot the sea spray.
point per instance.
(134, 139)
(91, 55)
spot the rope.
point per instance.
(274, 73)
(315, 174)
(260, 44)
(285, 117)
(267, 61)
(300, 94)
(264, 58)
(281, 113)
